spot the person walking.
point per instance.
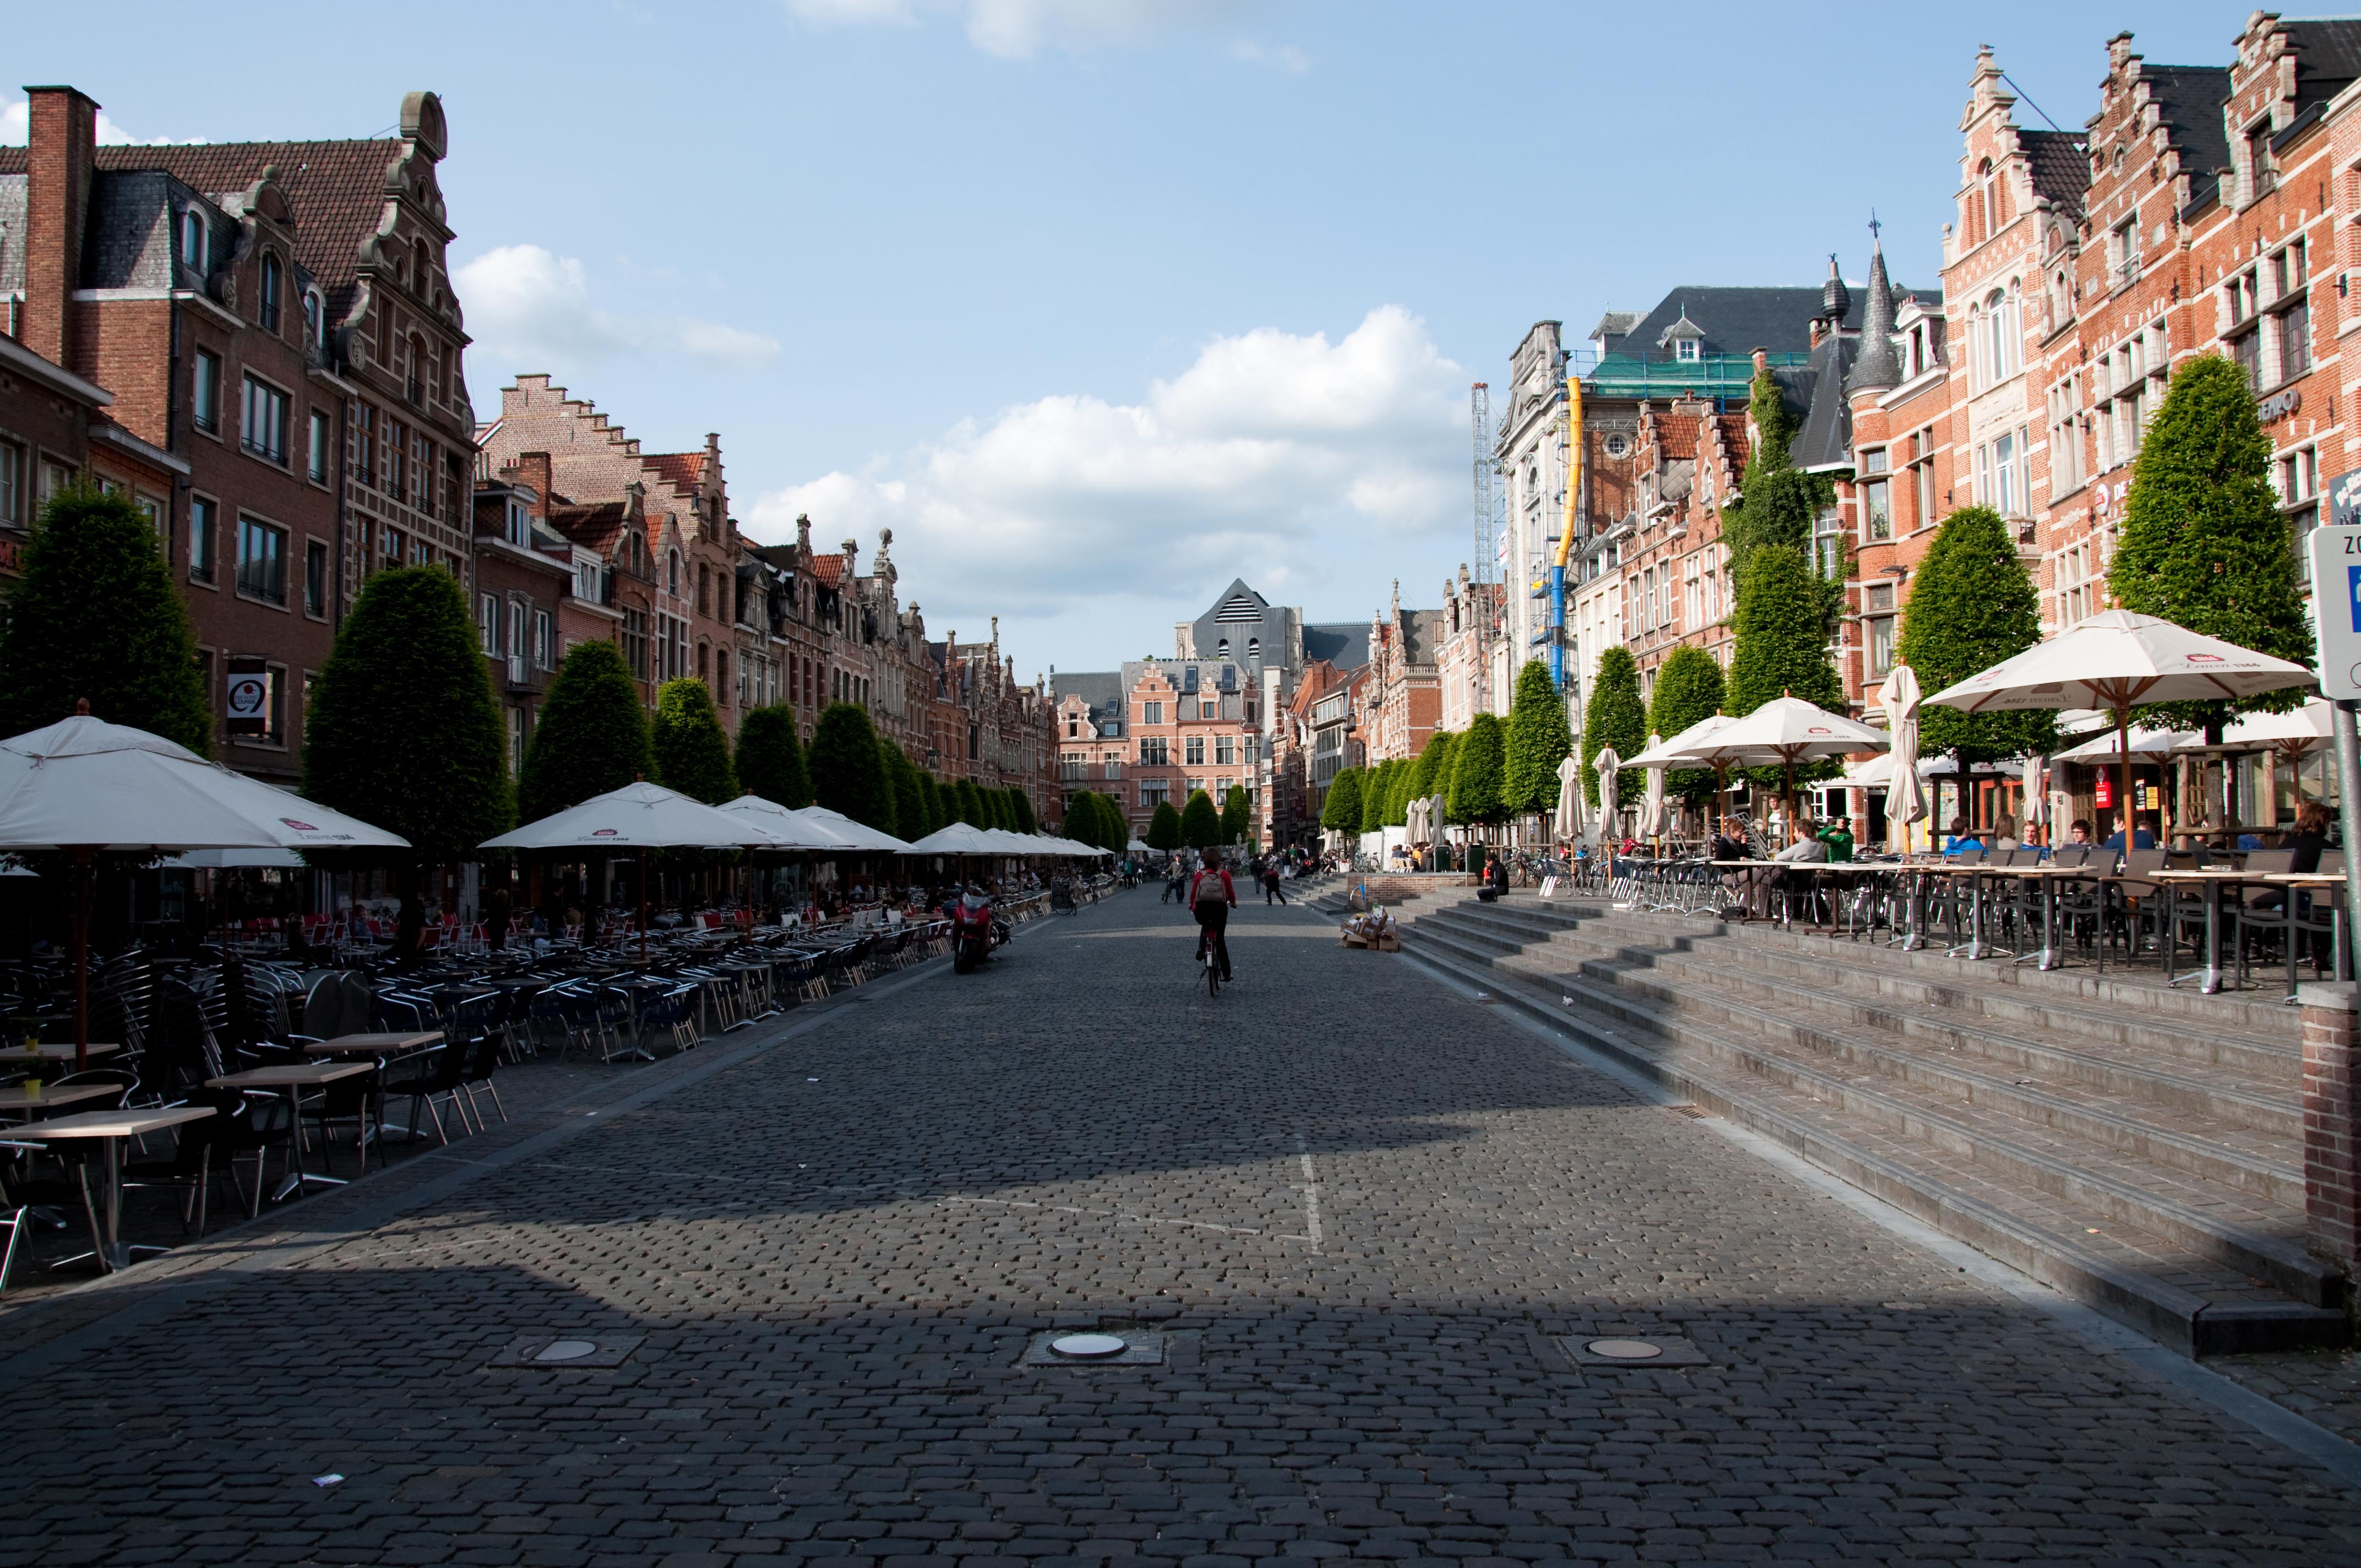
(1212, 897)
(1270, 883)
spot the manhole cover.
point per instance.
(1629, 1350)
(570, 1351)
(1132, 1348)
(1612, 1349)
(1089, 1347)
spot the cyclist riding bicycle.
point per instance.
(1212, 897)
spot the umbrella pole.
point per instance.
(644, 906)
(78, 928)
(2123, 767)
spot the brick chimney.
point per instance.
(60, 155)
(532, 472)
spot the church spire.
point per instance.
(1876, 368)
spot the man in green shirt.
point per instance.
(1838, 836)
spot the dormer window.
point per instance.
(267, 300)
(193, 240)
(1686, 350)
(313, 325)
(519, 524)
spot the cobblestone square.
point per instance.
(1359, 1208)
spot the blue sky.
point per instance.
(1097, 304)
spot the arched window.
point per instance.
(1987, 200)
(414, 381)
(672, 569)
(316, 328)
(267, 311)
(418, 268)
(192, 239)
(1222, 649)
(1996, 346)
(721, 675)
(1254, 648)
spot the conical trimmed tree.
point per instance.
(1615, 718)
(848, 772)
(1377, 783)
(1782, 648)
(1201, 824)
(967, 805)
(909, 798)
(1431, 773)
(95, 617)
(1480, 773)
(590, 736)
(692, 753)
(1688, 691)
(930, 795)
(1115, 835)
(1233, 815)
(1081, 817)
(2203, 543)
(1026, 821)
(1164, 827)
(1539, 739)
(770, 759)
(1340, 811)
(1973, 604)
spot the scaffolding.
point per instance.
(1487, 540)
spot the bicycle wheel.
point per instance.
(1213, 972)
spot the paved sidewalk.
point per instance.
(1362, 1210)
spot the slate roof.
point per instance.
(2327, 59)
(1345, 644)
(1734, 321)
(338, 188)
(1423, 635)
(2060, 162)
(2189, 100)
(1102, 689)
(1826, 439)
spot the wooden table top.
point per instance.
(300, 1074)
(15, 1056)
(373, 1045)
(112, 1123)
(14, 1097)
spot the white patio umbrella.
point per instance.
(2291, 737)
(1438, 815)
(1683, 750)
(2037, 804)
(955, 839)
(2118, 661)
(1413, 820)
(637, 818)
(787, 831)
(1140, 846)
(81, 785)
(1652, 815)
(1570, 822)
(848, 834)
(2142, 744)
(1781, 733)
(1906, 792)
(1605, 765)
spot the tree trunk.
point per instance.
(410, 928)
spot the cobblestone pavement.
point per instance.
(1362, 1212)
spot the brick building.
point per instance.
(1405, 697)
(275, 324)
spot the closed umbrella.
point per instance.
(82, 786)
(1570, 814)
(2119, 661)
(2037, 804)
(1605, 765)
(1653, 814)
(1906, 792)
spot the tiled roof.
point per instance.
(2060, 165)
(1676, 436)
(829, 569)
(338, 188)
(682, 469)
(592, 527)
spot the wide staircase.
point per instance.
(2136, 1147)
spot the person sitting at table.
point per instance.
(1803, 850)
(1837, 834)
(2003, 834)
(1961, 838)
(2142, 834)
(2079, 833)
(2310, 838)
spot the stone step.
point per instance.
(2226, 1100)
(2172, 1284)
(1985, 991)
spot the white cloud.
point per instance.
(1284, 57)
(1020, 29)
(530, 309)
(16, 129)
(1289, 459)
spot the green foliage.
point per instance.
(1116, 828)
(909, 796)
(2203, 543)
(1082, 826)
(1688, 691)
(1026, 821)
(934, 814)
(590, 736)
(1201, 824)
(1431, 774)
(1539, 739)
(770, 758)
(1775, 428)
(1233, 815)
(1615, 718)
(404, 731)
(96, 616)
(967, 805)
(1341, 810)
(1479, 772)
(848, 767)
(1782, 648)
(1377, 783)
(1973, 605)
(1094, 819)
(1164, 827)
(692, 753)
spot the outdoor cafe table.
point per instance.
(2212, 882)
(2046, 878)
(294, 1078)
(13, 1097)
(393, 1045)
(110, 1129)
(17, 1055)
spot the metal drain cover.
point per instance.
(570, 1350)
(1131, 1348)
(1630, 1350)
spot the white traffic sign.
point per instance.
(2336, 609)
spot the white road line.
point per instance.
(1311, 1190)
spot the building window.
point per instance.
(520, 524)
(205, 395)
(1155, 751)
(315, 578)
(263, 431)
(488, 624)
(1686, 350)
(2298, 486)
(414, 383)
(201, 516)
(261, 561)
(1877, 615)
(364, 448)
(316, 330)
(1828, 544)
(635, 642)
(2291, 283)
(1876, 503)
(315, 462)
(1194, 750)
(516, 742)
(269, 293)
(1154, 792)
(193, 240)
(1209, 707)
(11, 485)
(1226, 752)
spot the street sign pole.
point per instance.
(2335, 559)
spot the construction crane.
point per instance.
(1566, 533)
(1488, 568)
